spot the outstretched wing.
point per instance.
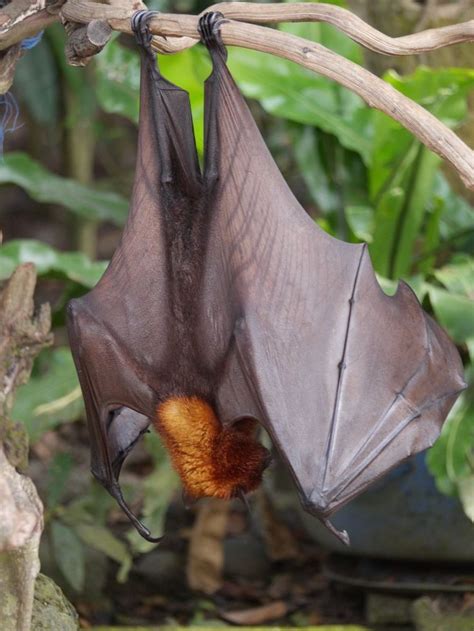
(347, 380)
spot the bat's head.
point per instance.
(212, 460)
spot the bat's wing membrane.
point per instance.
(120, 331)
(348, 381)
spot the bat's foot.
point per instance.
(140, 24)
(209, 29)
(342, 535)
(142, 530)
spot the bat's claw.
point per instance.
(140, 24)
(142, 530)
(342, 535)
(209, 29)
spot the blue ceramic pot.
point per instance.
(403, 516)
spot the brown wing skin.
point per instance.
(347, 380)
(223, 287)
(120, 333)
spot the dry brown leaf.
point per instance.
(257, 615)
(206, 552)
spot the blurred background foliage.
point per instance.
(360, 175)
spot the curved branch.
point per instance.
(178, 32)
(373, 90)
(342, 19)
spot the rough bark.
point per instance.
(22, 335)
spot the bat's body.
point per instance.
(225, 305)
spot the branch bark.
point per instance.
(178, 32)
(22, 335)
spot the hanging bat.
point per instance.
(225, 306)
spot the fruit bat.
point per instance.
(225, 306)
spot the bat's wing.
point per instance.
(347, 380)
(119, 332)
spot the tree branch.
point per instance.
(178, 32)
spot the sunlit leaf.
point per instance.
(289, 91)
(361, 221)
(44, 186)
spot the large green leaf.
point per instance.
(458, 276)
(289, 91)
(100, 538)
(69, 554)
(403, 172)
(451, 459)
(442, 91)
(398, 226)
(37, 84)
(52, 396)
(44, 186)
(455, 312)
(49, 261)
(118, 80)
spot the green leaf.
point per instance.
(74, 266)
(58, 474)
(455, 312)
(451, 459)
(386, 214)
(442, 91)
(308, 156)
(118, 72)
(43, 186)
(69, 554)
(466, 494)
(412, 213)
(456, 216)
(100, 538)
(361, 221)
(118, 80)
(37, 84)
(458, 276)
(285, 89)
(52, 396)
(403, 173)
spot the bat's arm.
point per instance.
(110, 433)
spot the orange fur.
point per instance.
(211, 460)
